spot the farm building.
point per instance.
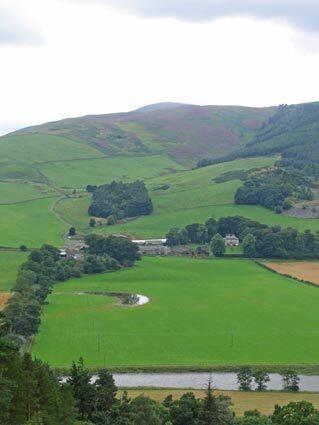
(231, 240)
(149, 242)
(154, 250)
(63, 253)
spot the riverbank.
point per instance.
(301, 369)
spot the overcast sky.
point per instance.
(64, 58)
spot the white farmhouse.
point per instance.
(231, 240)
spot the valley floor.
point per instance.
(201, 313)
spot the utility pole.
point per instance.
(232, 340)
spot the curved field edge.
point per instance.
(203, 314)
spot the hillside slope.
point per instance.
(184, 132)
(293, 131)
(44, 170)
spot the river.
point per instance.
(198, 380)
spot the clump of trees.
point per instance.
(273, 188)
(259, 240)
(44, 267)
(120, 200)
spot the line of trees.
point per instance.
(119, 200)
(258, 240)
(246, 377)
(44, 267)
(31, 394)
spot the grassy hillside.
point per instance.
(184, 132)
(157, 144)
(193, 196)
(200, 312)
(80, 173)
(20, 191)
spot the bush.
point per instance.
(72, 231)
(111, 220)
(287, 205)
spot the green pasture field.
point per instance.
(30, 223)
(201, 313)
(19, 191)
(9, 264)
(78, 174)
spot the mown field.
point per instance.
(303, 270)
(9, 263)
(242, 401)
(202, 312)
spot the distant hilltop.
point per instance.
(187, 133)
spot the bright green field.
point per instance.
(78, 174)
(9, 263)
(202, 312)
(30, 223)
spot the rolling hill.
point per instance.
(44, 170)
(184, 132)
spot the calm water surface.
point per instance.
(198, 380)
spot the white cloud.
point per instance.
(304, 14)
(15, 29)
(98, 60)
